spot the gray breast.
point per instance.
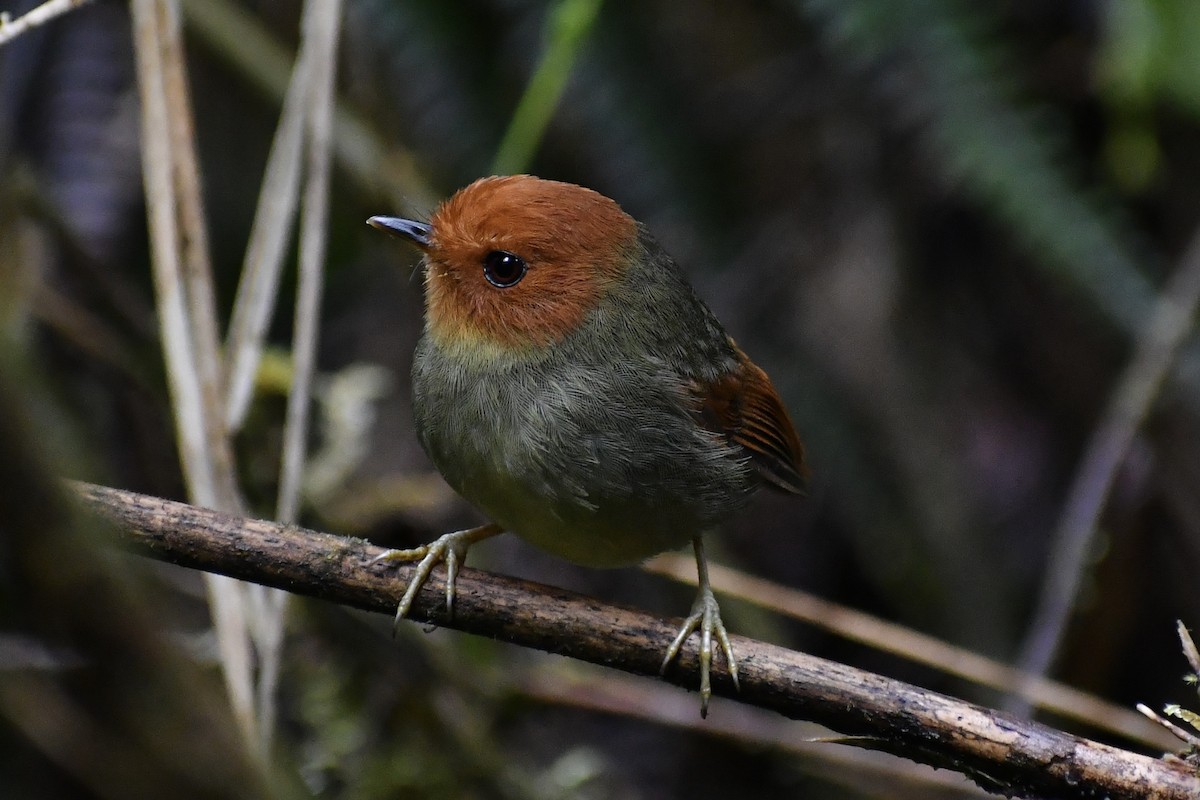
(599, 463)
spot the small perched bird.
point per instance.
(571, 386)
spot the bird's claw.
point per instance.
(705, 616)
(450, 548)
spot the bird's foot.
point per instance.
(450, 548)
(705, 617)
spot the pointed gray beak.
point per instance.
(415, 232)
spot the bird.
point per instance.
(572, 386)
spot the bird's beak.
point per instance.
(415, 232)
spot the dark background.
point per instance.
(938, 225)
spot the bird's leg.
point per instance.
(450, 548)
(705, 616)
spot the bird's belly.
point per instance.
(601, 534)
(590, 506)
(572, 460)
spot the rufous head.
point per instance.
(517, 261)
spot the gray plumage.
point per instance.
(537, 439)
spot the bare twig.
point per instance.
(242, 40)
(1188, 738)
(1189, 647)
(166, 238)
(184, 295)
(999, 752)
(321, 27)
(1154, 356)
(321, 24)
(1184, 735)
(40, 15)
(274, 220)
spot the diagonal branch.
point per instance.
(51, 9)
(884, 636)
(1155, 354)
(999, 752)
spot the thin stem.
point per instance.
(1155, 352)
(274, 220)
(40, 15)
(183, 291)
(568, 26)
(322, 24)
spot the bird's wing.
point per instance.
(743, 406)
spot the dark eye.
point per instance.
(503, 269)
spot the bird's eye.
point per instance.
(503, 269)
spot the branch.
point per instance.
(12, 28)
(997, 751)
(888, 637)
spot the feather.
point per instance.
(743, 406)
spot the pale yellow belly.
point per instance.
(612, 534)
